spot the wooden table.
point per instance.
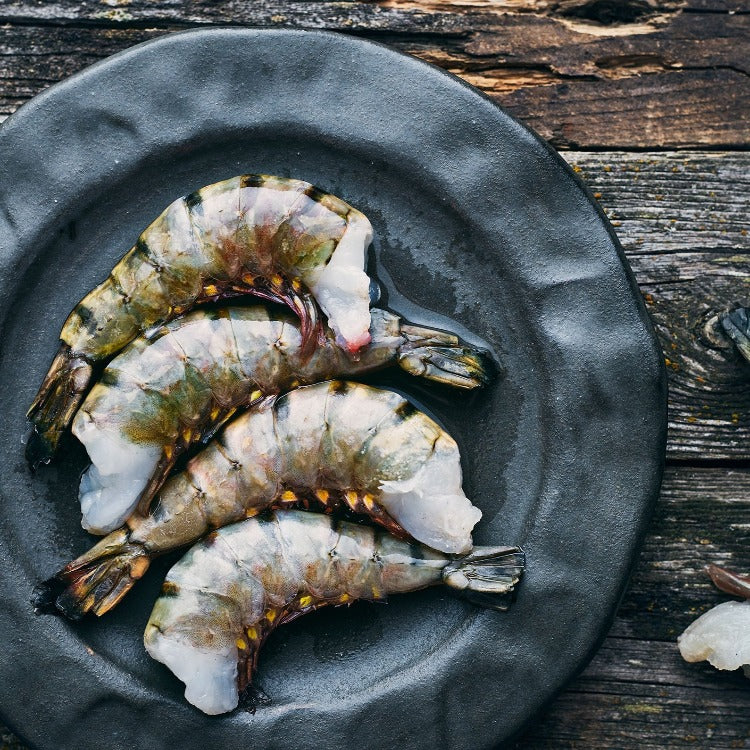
(649, 100)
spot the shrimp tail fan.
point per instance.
(442, 357)
(487, 576)
(96, 581)
(54, 406)
(737, 325)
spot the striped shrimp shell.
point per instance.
(165, 393)
(276, 238)
(332, 445)
(228, 593)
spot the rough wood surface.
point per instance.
(584, 73)
(625, 75)
(637, 692)
(683, 221)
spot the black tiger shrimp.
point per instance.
(228, 593)
(276, 238)
(330, 445)
(174, 389)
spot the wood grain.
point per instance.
(682, 219)
(584, 73)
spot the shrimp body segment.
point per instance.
(167, 392)
(276, 238)
(332, 445)
(228, 593)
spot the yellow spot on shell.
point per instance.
(252, 634)
(376, 592)
(168, 452)
(288, 496)
(322, 495)
(241, 645)
(210, 290)
(187, 434)
(296, 285)
(344, 598)
(271, 615)
(351, 497)
(276, 280)
(255, 395)
(249, 279)
(214, 412)
(305, 601)
(369, 501)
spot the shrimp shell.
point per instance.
(332, 445)
(228, 593)
(166, 393)
(276, 238)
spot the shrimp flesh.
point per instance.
(228, 593)
(722, 635)
(333, 445)
(164, 394)
(276, 238)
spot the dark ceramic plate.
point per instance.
(476, 219)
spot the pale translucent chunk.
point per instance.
(721, 636)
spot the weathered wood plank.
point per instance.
(682, 219)
(584, 74)
(637, 692)
(628, 700)
(702, 517)
(434, 15)
(670, 109)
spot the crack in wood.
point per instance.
(683, 83)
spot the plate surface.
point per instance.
(475, 219)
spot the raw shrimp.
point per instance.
(722, 635)
(163, 394)
(331, 445)
(228, 593)
(276, 238)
